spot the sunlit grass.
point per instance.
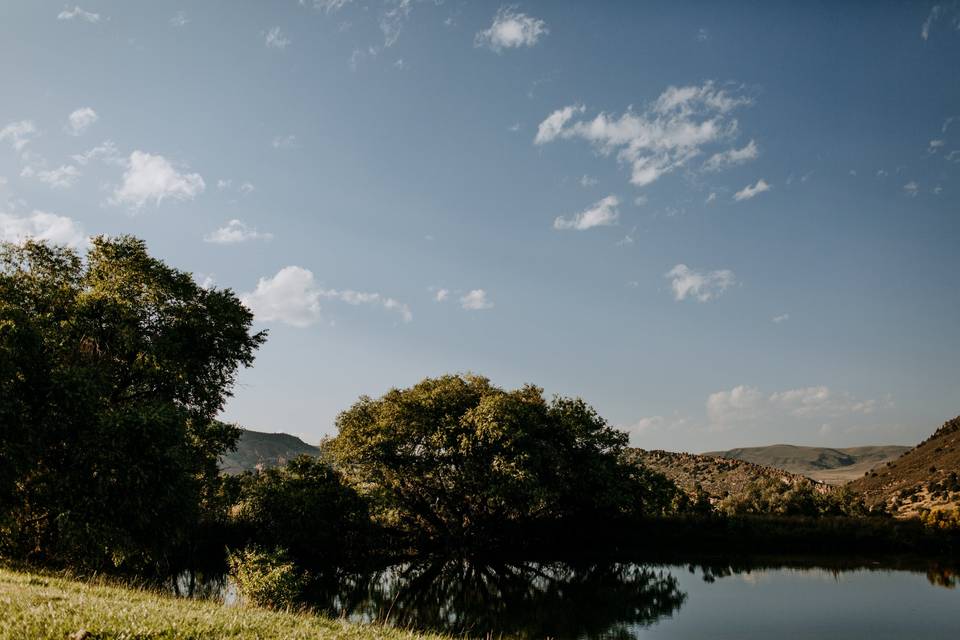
(39, 607)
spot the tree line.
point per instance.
(114, 365)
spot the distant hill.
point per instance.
(925, 477)
(717, 476)
(267, 449)
(833, 466)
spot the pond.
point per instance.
(622, 600)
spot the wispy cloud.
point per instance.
(275, 39)
(699, 285)
(18, 134)
(234, 232)
(107, 151)
(510, 30)
(284, 142)
(79, 14)
(476, 300)
(783, 317)
(732, 157)
(744, 405)
(752, 191)
(603, 213)
(675, 128)
(911, 188)
(179, 19)
(62, 177)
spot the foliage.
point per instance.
(112, 367)
(304, 508)
(460, 462)
(770, 496)
(266, 578)
(944, 519)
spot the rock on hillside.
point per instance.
(719, 477)
(831, 465)
(925, 477)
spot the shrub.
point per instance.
(266, 578)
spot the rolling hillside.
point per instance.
(833, 466)
(925, 477)
(267, 449)
(717, 476)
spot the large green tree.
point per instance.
(112, 367)
(461, 462)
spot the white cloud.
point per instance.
(552, 126)
(711, 198)
(935, 145)
(587, 181)
(40, 225)
(329, 6)
(732, 157)
(743, 405)
(224, 183)
(77, 12)
(275, 39)
(152, 177)
(247, 188)
(911, 188)
(106, 150)
(641, 200)
(235, 231)
(602, 213)
(511, 29)
(476, 300)
(80, 120)
(179, 19)
(18, 133)
(291, 297)
(931, 18)
(752, 191)
(783, 317)
(643, 428)
(514, 127)
(702, 286)
(360, 297)
(284, 142)
(63, 177)
(677, 127)
(441, 295)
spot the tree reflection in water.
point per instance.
(527, 600)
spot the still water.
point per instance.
(616, 600)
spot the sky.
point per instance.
(721, 224)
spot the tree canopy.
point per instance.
(112, 367)
(460, 461)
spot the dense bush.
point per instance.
(111, 370)
(266, 578)
(456, 461)
(771, 496)
(306, 509)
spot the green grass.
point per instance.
(40, 607)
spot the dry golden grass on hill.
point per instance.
(719, 477)
(925, 478)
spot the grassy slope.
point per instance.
(268, 449)
(905, 483)
(833, 466)
(43, 607)
(717, 476)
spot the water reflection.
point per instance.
(525, 600)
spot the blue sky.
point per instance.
(722, 224)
